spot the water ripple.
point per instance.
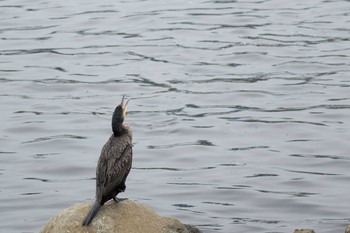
(314, 173)
(199, 143)
(65, 136)
(238, 107)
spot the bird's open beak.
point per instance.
(124, 103)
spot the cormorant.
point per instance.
(114, 163)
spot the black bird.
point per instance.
(114, 163)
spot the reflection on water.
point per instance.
(239, 109)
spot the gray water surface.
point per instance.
(240, 109)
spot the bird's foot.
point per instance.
(117, 200)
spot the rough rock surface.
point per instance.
(304, 231)
(124, 217)
(347, 230)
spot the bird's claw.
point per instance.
(117, 200)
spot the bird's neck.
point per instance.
(118, 128)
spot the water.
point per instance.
(240, 109)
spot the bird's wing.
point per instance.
(119, 168)
(113, 167)
(101, 169)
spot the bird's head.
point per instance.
(119, 115)
(120, 111)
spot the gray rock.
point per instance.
(304, 231)
(347, 230)
(124, 217)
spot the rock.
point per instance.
(304, 231)
(347, 230)
(124, 217)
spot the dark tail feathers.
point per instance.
(93, 211)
